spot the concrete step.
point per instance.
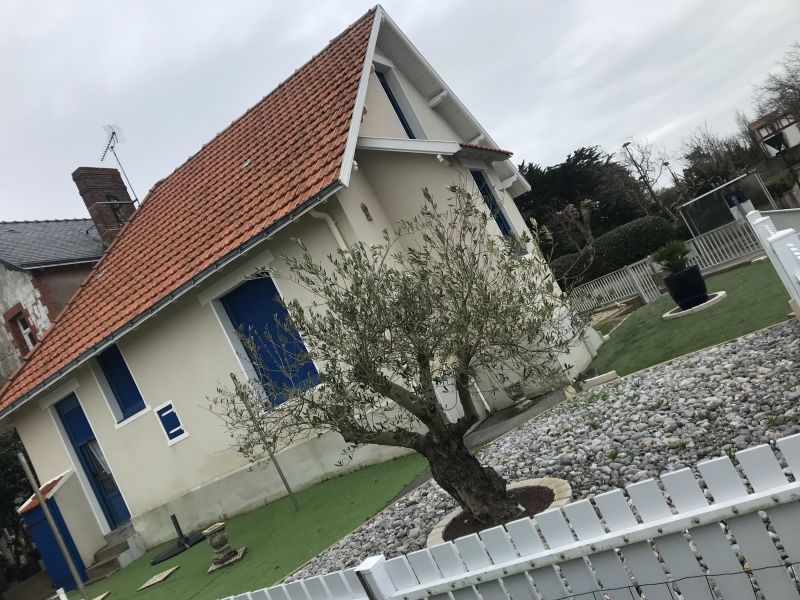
(120, 534)
(101, 570)
(110, 552)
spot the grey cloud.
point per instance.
(543, 77)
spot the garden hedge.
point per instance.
(619, 247)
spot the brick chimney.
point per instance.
(106, 198)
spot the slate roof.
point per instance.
(31, 244)
(280, 154)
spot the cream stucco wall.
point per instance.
(380, 119)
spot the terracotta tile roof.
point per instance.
(487, 148)
(45, 490)
(279, 154)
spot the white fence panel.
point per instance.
(709, 534)
(714, 248)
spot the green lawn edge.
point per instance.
(756, 299)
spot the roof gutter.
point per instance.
(63, 263)
(178, 292)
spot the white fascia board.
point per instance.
(361, 96)
(406, 145)
(521, 185)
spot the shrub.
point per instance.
(633, 241)
(673, 256)
(619, 247)
(779, 184)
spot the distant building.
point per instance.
(42, 263)
(772, 125)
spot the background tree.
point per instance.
(587, 174)
(444, 302)
(713, 159)
(647, 161)
(13, 486)
(781, 90)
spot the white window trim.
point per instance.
(110, 399)
(399, 93)
(78, 466)
(248, 370)
(180, 438)
(499, 197)
(56, 395)
(216, 290)
(26, 332)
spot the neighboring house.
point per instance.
(770, 127)
(42, 263)
(118, 389)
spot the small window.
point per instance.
(27, 333)
(485, 190)
(395, 104)
(120, 382)
(170, 422)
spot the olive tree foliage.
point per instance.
(439, 304)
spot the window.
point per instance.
(18, 324)
(26, 331)
(255, 311)
(120, 383)
(485, 189)
(393, 100)
(171, 423)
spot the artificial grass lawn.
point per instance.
(756, 299)
(278, 539)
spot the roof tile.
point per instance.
(210, 205)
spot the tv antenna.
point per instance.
(115, 136)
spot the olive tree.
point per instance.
(395, 327)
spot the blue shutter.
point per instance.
(121, 382)
(485, 189)
(395, 105)
(170, 421)
(255, 308)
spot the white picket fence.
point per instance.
(783, 250)
(627, 282)
(714, 248)
(723, 245)
(729, 531)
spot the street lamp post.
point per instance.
(647, 182)
(671, 172)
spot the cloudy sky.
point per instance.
(543, 77)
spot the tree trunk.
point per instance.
(479, 490)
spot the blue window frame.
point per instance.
(395, 104)
(170, 421)
(121, 382)
(255, 310)
(485, 189)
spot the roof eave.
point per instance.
(355, 120)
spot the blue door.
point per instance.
(92, 460)
(255, 308)
(54, 562)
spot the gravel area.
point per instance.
(707, 404)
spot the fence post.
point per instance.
(786, 248)
(636, 283)
(375, 578)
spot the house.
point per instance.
(42, 263)
(116, 392)
(776, 131)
